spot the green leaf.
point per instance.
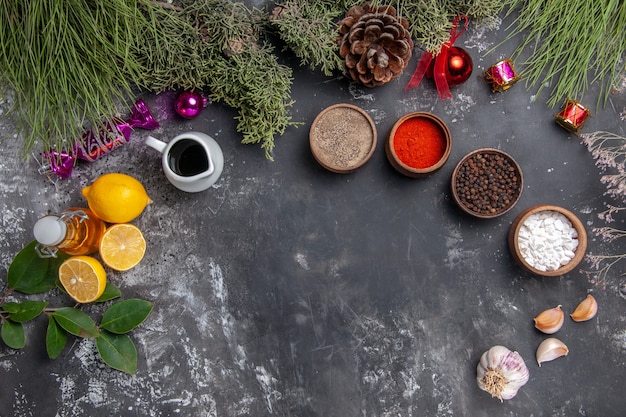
(24, 311)
(13, 334)
(76, 322)
(49, 281)
(27, 270)
(110, 292)
(124, 316)
(56, 338)
(118, 351)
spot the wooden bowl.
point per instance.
(342, 138)
(514, 245)
(435, 131)
(487, 183)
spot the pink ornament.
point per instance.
(189, 104)
(501, 75)
(93, 144)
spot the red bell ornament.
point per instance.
(459, 67)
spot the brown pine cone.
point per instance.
(375, 44)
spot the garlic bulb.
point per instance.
(550, 321)
(586, 310)
(551, 349)
(501, 372)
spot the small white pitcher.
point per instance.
(192, 161)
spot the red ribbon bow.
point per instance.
(441, 62)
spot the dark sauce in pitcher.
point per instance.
(188, 158)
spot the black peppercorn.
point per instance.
(487, 183)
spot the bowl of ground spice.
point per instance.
(419, 143)
(342, 138)
(487, 183)
(547, 240)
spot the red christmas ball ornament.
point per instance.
(460, 66)
(189, 104)
(458, 69)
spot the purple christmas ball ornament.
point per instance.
(189, 104)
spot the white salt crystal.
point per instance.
(547, 240)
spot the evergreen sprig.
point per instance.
(69, 63)
(255, 83)
(309, 31)
(430, 22)
(75, 64)
(218, 45)
(573, 43)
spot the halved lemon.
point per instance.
(83, 277)
(122, 246)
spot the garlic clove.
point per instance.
(550, 321)
(586, 310)
(551, 349)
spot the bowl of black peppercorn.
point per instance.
(487, 183)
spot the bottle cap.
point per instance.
(49, 230)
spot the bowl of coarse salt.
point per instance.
(547, 240)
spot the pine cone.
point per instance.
(375, 44)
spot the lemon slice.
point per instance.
(122, 246)
(83, 277)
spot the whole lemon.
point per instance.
(116, 198)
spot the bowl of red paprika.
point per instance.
(419, 143)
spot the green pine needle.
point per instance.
(217, 45)
(69, 63)
(572, 44)
(309, 31)
(309, 28)
(75, 64)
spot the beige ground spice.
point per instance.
(342, 138)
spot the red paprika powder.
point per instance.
(419, 142)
